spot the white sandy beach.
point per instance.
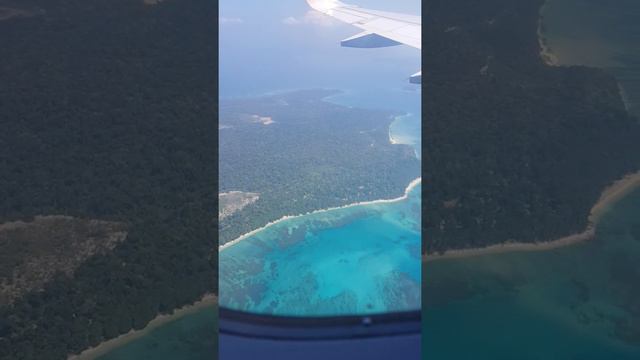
(392, 140)
(410, 187)
(548, 57)
(610, 196)
(109, 345)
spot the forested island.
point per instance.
(301, 154)
(513, 149)
(108, 113)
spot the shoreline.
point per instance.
(407, 190)
(546, 55)
(396, 118)
(394, 141)
(514, 247)
(610, 195)
(623, 96)
(161, 319)
(550, 59)
(613, 193)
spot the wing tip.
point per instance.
(416, 78)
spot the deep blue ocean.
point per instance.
(262, 51)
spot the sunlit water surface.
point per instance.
(354, 260)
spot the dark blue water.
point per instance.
(260, 54)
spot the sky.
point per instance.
(268, 46)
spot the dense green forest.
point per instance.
(108, 112)
(514, 150)
(310, 155)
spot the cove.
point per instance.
(358, 259)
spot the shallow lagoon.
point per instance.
(353, 260)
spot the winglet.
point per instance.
(416, 78)
(368, 39)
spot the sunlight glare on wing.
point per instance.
(324, 5)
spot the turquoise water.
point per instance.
(407, 99)
(193, 337)
(354, 260)
(407, 129)
(579, 302)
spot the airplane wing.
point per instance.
(381, 28)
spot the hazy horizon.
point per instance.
(268, 47)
